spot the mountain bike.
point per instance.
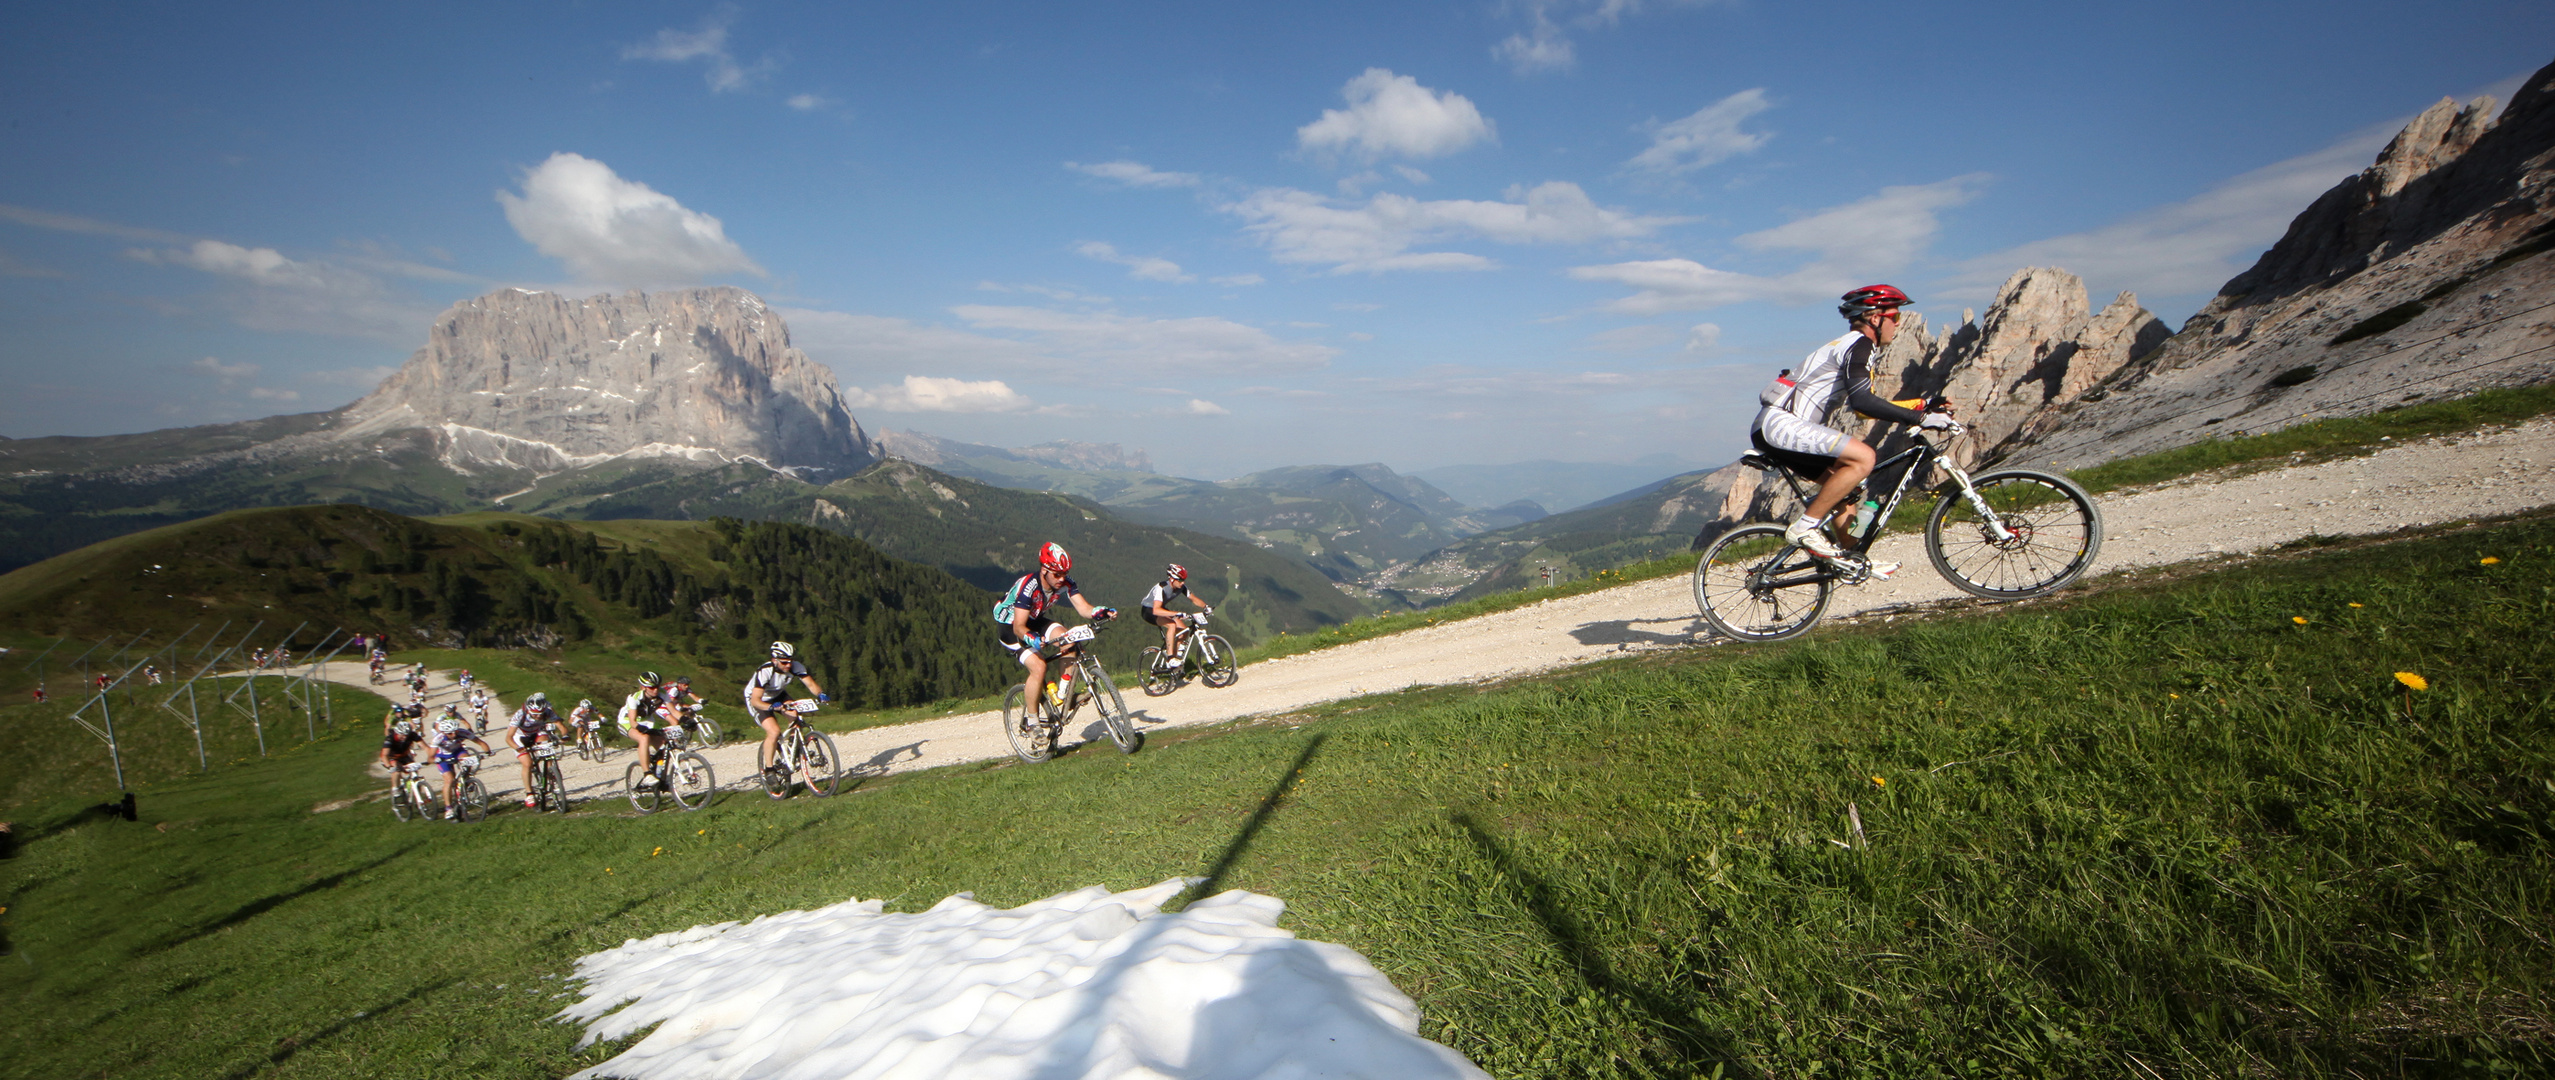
(479, 714)
(1209, 656)
(2010, 534)
(376, 667)
(805, 755)
(678, 776)
(590, 739)
(549, 786)
(704, 731)
(470, 797)
(412, 795)
(1073, 677)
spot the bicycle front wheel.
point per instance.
(1755, 586)
(1215, 655)
(689, 781)
(472, 803)
(557, 783)
(2052, 531)
(1026, 728)
(817, 765)
(707, 732)
(1113, 708)
(402, 804)
(644, 799)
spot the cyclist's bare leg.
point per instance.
(1037, 666)
(771, 737)
(1853, 462)
(523, 757)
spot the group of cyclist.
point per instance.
(1030, 634)
(652, 709)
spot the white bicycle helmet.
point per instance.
(445, 725)
(782, 650)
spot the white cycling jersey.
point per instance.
(774, 680)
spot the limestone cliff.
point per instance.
(519, 379)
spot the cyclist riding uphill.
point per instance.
(1026, 628)
(641, 715)
(766, 692)
(531, 727)
(450, 734)
(1156, 609)
(1792, 427)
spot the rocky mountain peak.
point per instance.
(2039, 348)
(536, 380)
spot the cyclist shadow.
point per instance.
(880, 762)
(1623, 632)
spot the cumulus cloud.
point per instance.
(1238, 280)
(269, 393)
(1134, 174)
(808, 102)
(1391, 115)
(276, 292)
(1710, 136)
(2187, 247)
(924, 393)
(1538, 50)
(1872, 236)
(1302, 227)
(1203, 407)
(1142, 267)
(1702, 338)
(707, 44)
(1545, 43)
(619, 232)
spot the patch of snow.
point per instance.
(1082, 984)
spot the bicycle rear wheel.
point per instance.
(706, 732)
(643, 799)
(472, 803)
(1755, 586)
(689, 780)
(817, 765)
(1215, 655)
(1113, 708)
(2053, 530)
(1155, 681)
(1027, 729)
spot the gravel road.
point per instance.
(2418, 483)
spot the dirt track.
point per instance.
(2432, 481)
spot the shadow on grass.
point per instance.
(1250, 830)
(294, 1044)
(1670, 1024)
(255, 908)
(1621, 632)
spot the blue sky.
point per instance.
(1238, 236)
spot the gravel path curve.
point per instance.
(2435, 480)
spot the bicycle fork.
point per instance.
(1995, 522)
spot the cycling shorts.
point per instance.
(1784, 431)
(445, 758)
(524, 740)
(1150, 618)
(1022, 650)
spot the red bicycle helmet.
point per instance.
(1871, 298)
(1053, 557)
(1176, 572)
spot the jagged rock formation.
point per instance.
(519, 379)
(2422, 277)
(2011, 375)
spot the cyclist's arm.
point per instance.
(1088, 609)
(809, 681)
(1020, 623)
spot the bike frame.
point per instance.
(1921, 458)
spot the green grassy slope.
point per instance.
(2167, 830)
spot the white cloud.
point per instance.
(1135, 174)
(1238, 280)
(808, 102)
(1703, 338)
(214, 367)
(1544, 49)
(1302, 227)
(1861, 239)
(1141, 267)
(298, 296)
(1393, 115)
(2187, 247)
(1360, 335)
(1544, 45)
(1413, 175)
(1203, 407)
(1710, 136)
(707, 44)
(615, 231)
(923, 393)
(1111, 339)
(268, 393)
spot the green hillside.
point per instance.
(1347, 521)
(1645, 523)
(708, 594)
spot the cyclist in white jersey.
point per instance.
(768, 689)
(1156, 609)
(1794, 431)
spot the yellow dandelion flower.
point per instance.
(657, 852)
(607, 869)
(2298, 619)
(2176, 697)
(2491, 559)
(2355, 603)
(704, 832)
(1878, 782)
(2412, 680)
